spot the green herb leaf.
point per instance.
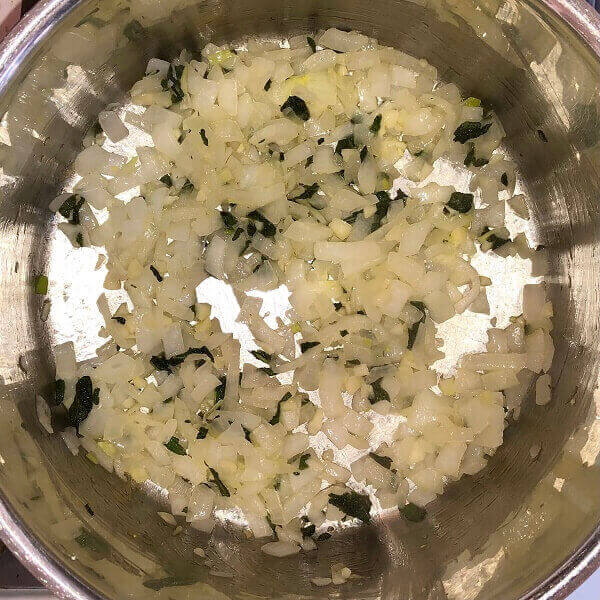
(351, 219)
(70, 208)
(470, 159)
(363, 154)
(96, 396)
(166, 179)
(262, 355)
(376, 125)
(160, 363)
(220, 389)
(308, 530)
(496, 241)
(228, 219)
(174, 446)
(303, 462)
(311, 43)
(384, 461)
(346, 143)
(295, 104)
(504, 179)
(412, 512)
(309, 192)
(354, 362)
(203, 136)
(268, 229)
(381, 209)
(267, 85)
(82, 403)
(173, 82)
(378, 393)
(220, 485)
(414, 328)
(188, 186)
(460, 202)
(40, 285)
(156, 274)
(247, 434)
(275, 419)
(202, 432)
(353, 504)
(79, 240)
(120, 320)
(470, 130)
(304, 346)
(343, 332)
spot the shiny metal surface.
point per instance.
(522, 528)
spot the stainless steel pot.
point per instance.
(525, 527)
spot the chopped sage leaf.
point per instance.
(220, 485)
(304, 346)
(379, 393)
(469, 130)
(353, 504)
(297, 106)
(414, 328)
(156, 274)
(203, 136)
(384, 461)
(174, 446)
(376, 125)
(460, 202)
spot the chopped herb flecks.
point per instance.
(309, 192)
(353, 504)
(82, 403)
(275, 419)
(268, 229)
(262, 355)
(202, 432)
(70, 208)
(297, 106)
(228, 219)
(470, 130)
(414, 328)
(304, 346)
(460, 202)
(220, 485)
(156, 274)
(303, 462)
(312, 44)
(376, 124)
(203, 136)
(384, 461)
(174, 446)
(173, 82)
(346, 143)
(379, 393)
